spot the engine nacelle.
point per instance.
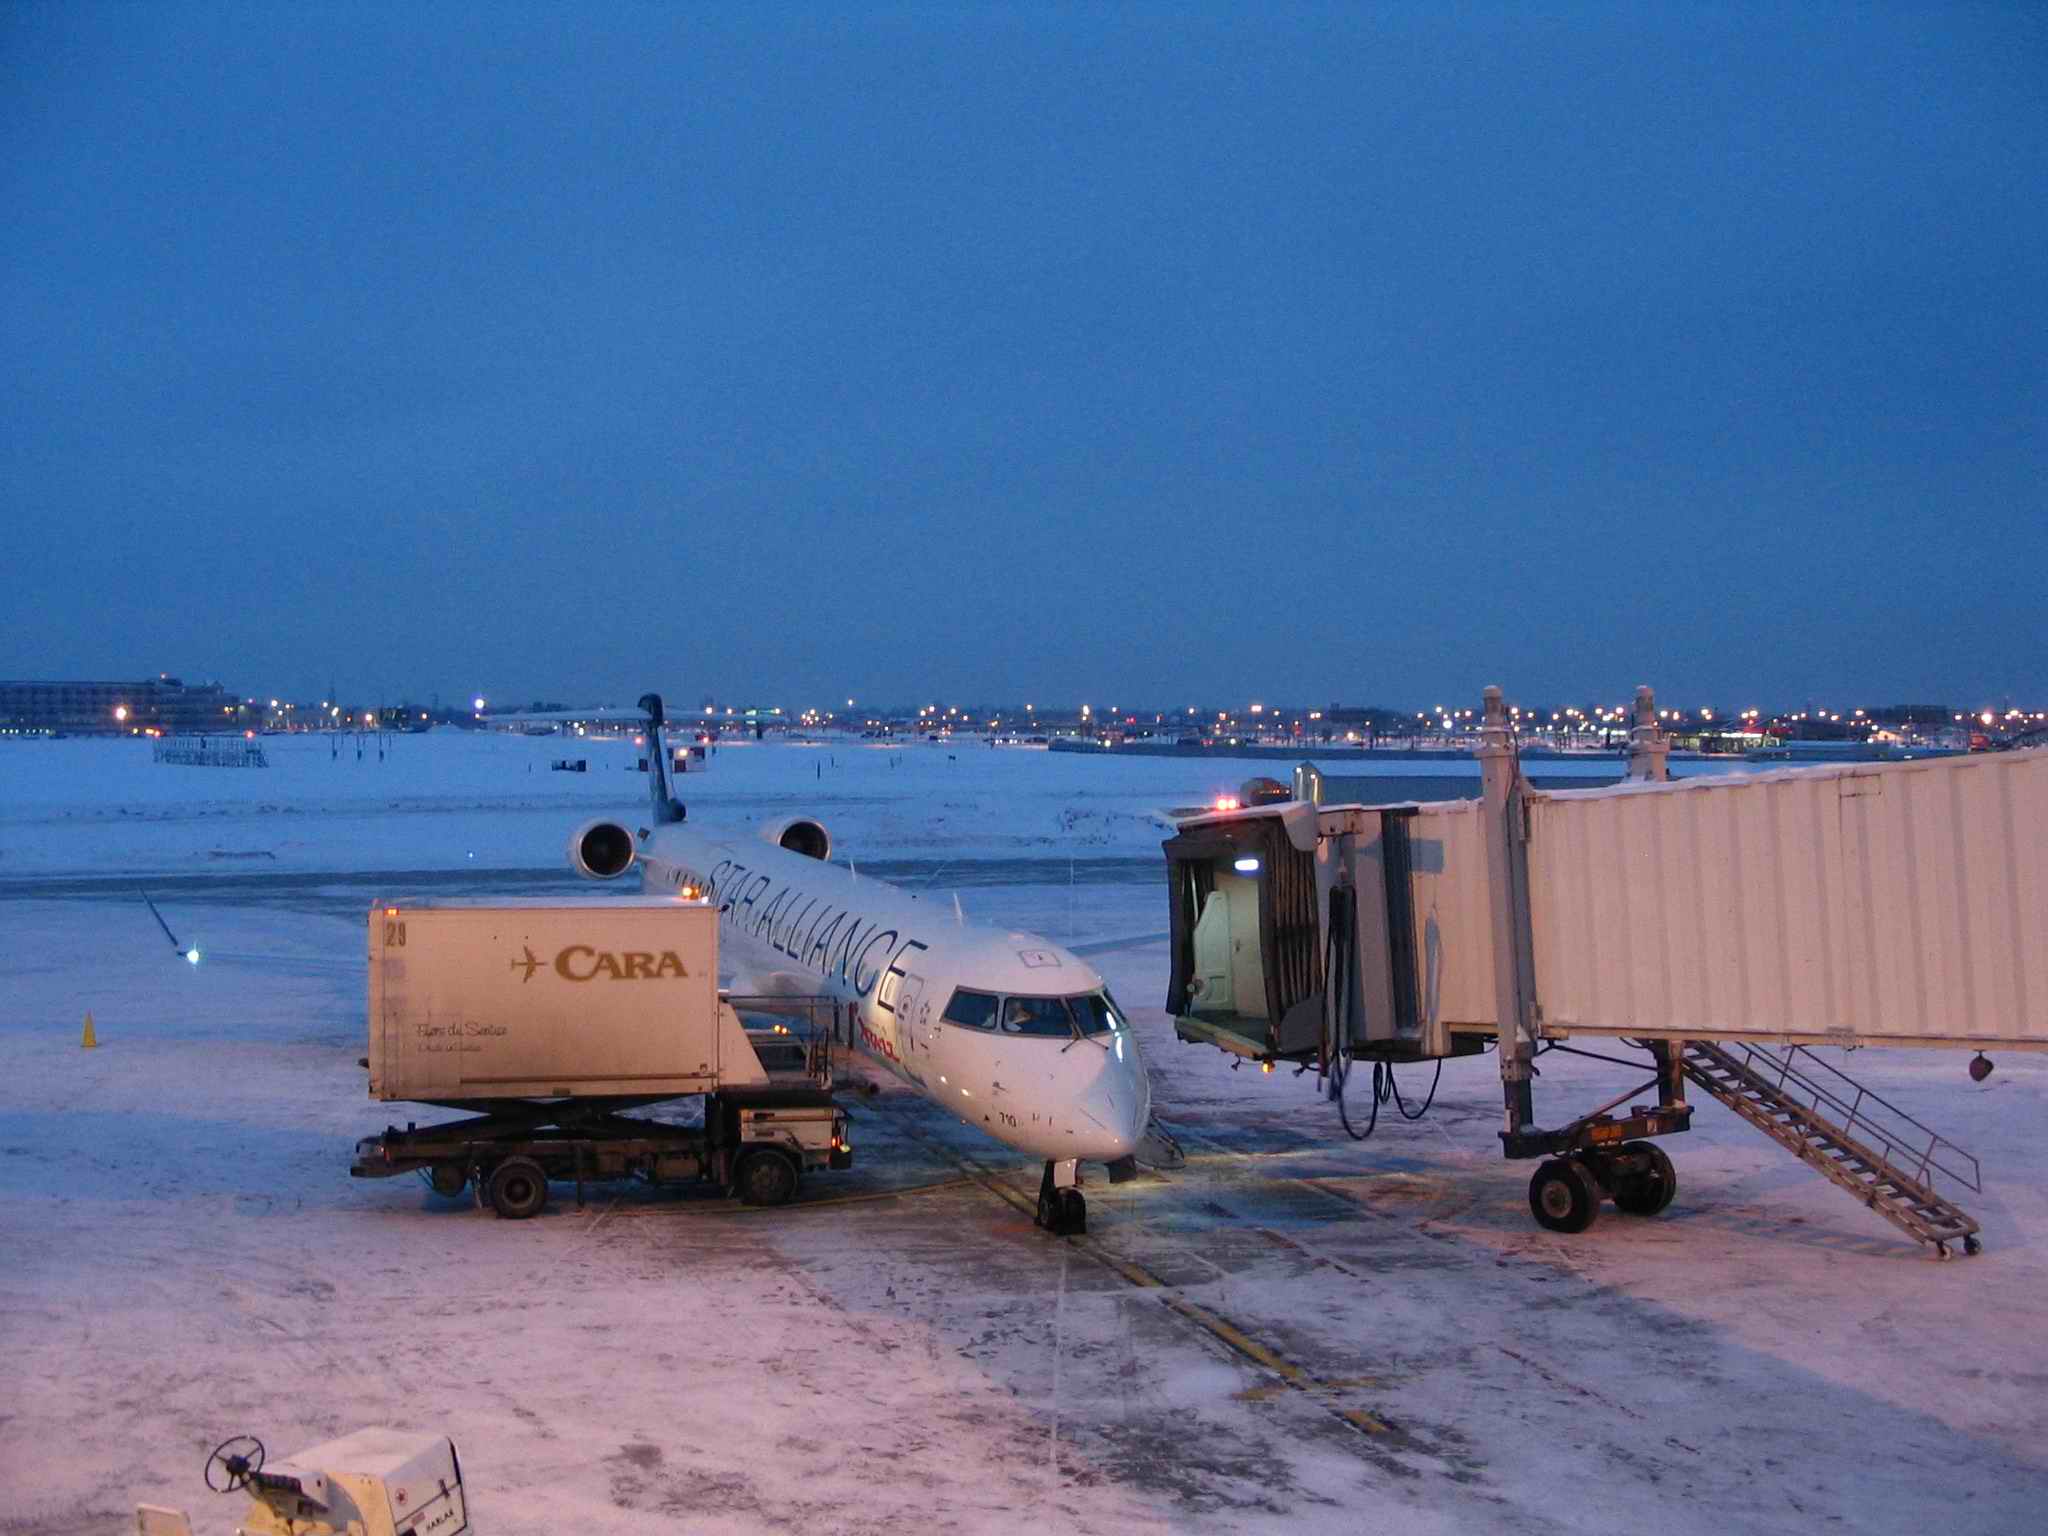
(601, 849)
(800, 834)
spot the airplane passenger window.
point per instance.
(975, 1010)
(1037, 1016)
(1096, 1013)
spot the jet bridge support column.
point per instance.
(1649, 749)
(1508, 907)
(1596, 1156)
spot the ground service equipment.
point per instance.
(1720, 925)
(375, 1482)
(547, 1020)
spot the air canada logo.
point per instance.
(580, 962)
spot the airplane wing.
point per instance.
(282, 964)
(1111, 946)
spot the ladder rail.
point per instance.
(1834, 1131)
(1925, 1157)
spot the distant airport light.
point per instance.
(192, 955)
(477, 703)
(121, 713)
(1246, 866)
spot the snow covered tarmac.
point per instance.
(1295, 1332)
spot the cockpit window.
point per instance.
(1037, 1016)
(1095, 1013)
(975, 1010)
(1047, 1018)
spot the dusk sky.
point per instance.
(1134, 355)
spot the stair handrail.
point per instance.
(1850, 1114)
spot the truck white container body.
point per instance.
(551, 1000)
(1860, 904)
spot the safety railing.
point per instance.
(1905, 1145)
(792, 1035)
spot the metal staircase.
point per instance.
(1876, 1151)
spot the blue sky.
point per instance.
(1369, 353)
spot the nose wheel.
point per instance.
(1062, 1210)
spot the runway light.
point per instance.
(1246, 866)
(1266, 1067)
(192, 955)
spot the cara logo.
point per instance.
(580, 962)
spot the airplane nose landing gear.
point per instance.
(1062, 1210)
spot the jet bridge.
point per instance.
(1857, 904)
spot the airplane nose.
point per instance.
(1119, 1100)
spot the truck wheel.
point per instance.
(517, 1188)
(447, 1179)
(1564, 1195)
(766, 1178)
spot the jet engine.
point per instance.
(601, 850)
(799, 834)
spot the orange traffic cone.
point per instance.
(91, 1040)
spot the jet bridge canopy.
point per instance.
(1247, 953)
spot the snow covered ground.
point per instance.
(183, 1257)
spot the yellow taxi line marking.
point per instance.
(1223, 1331)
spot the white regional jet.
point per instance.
(1009, 1031)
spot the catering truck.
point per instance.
(546, 1021)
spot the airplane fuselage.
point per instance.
(1010, 1032)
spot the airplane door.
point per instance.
(1213, 989)
(916, 1031)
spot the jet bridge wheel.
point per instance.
(1564, 1196)
(1643, 1179)
(517, 1188)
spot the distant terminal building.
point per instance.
(162, 703)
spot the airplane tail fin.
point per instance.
(667, 807)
